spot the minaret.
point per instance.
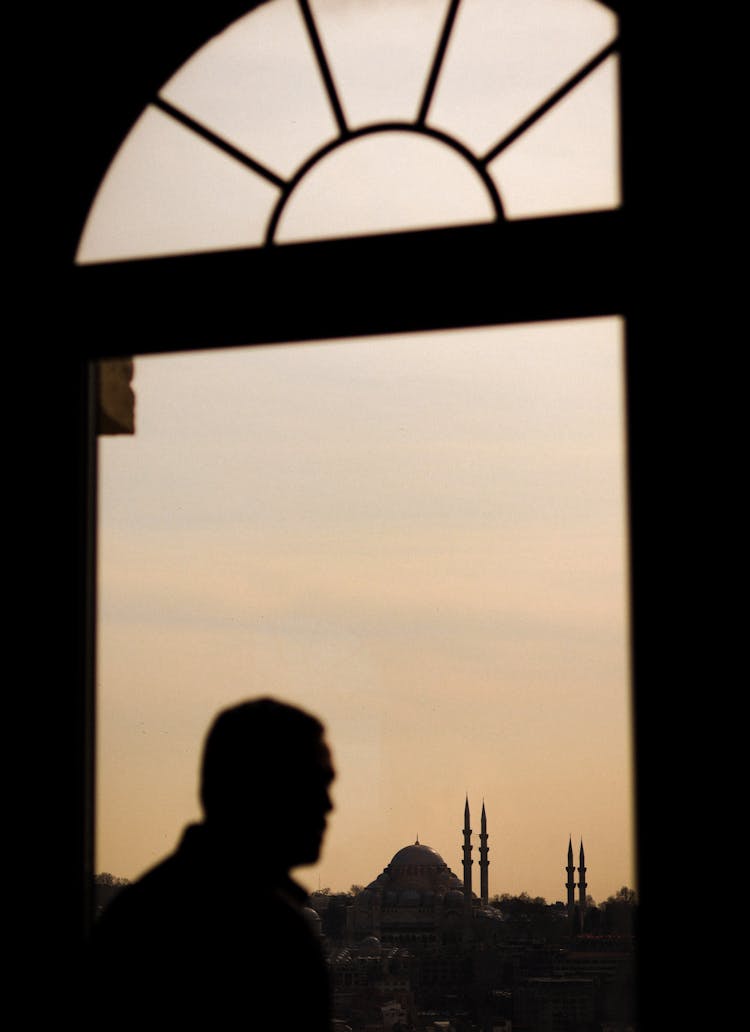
(570, 885)
(483, 861)
(581, 884)
(467, 854)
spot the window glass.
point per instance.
(481, 109)
(379, 54)
(420, 538)
(258, 85)
(425, 183)
(569, 160)
(505, 58)
(168, 192)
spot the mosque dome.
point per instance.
(417, 855)
(414, 870)
(416, 876)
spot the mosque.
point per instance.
(417, 899)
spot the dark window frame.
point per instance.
(539, 269)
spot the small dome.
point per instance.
(370, 947)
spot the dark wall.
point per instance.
(86, 71)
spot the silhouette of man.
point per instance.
(216, 934)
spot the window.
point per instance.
(314, 121)
(478, 269)
(420, 537)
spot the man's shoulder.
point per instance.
(152, 899)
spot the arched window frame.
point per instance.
(570, 266)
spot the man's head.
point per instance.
(266, 776)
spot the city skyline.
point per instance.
(492, 892)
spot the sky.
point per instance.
(420, 538)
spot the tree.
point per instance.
(521, 904)
(106, 887)
(105, 878)
(619, 912)
(624, 895)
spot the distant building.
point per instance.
(554, 1004)
(418, 900)
(372, 985)
(417, 948)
